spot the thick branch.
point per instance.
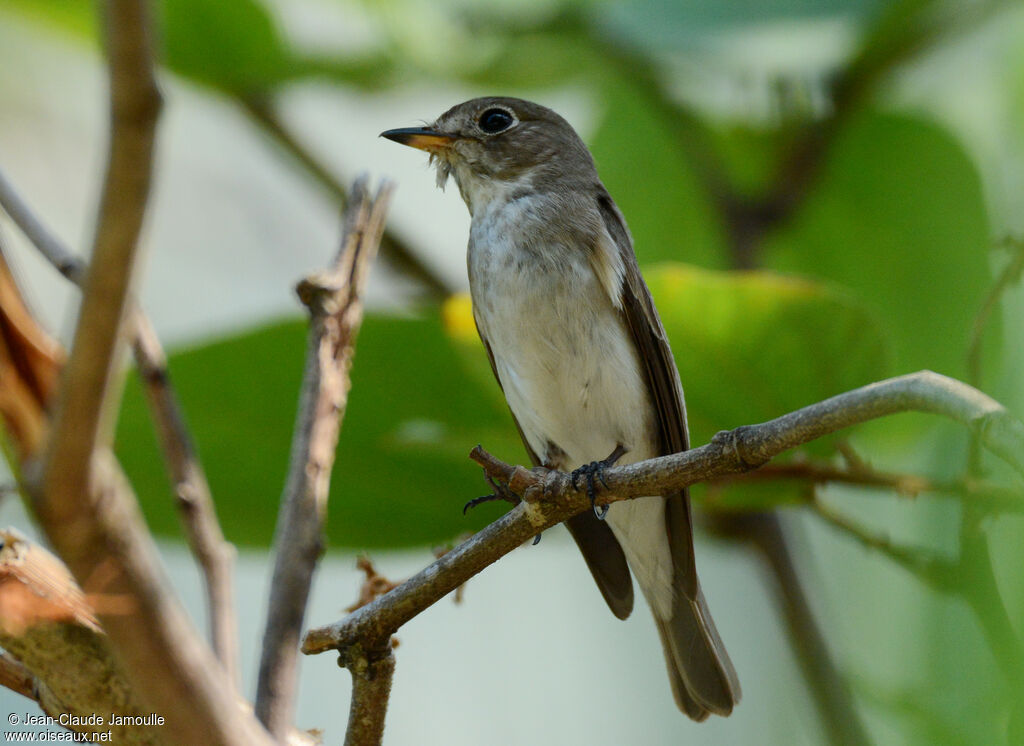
(195, 503)
(335, 304)
(550, 497)
(48, 625)
(86, 508)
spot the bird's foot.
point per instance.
(595, 470)
(501, 492)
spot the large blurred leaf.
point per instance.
(898, 218)
(751, 346)
(402, 473)
(229, 44)
(77, 16)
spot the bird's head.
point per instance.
(495, 146)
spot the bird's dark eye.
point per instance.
(493, 121)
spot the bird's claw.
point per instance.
(501, 492)
(595, 469)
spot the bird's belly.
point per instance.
(572, 377)
(567, 363)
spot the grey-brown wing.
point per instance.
(663, 381)
(597, 543)
(703, 678)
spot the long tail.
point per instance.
(702, 675)
(657, 538)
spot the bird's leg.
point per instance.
(596, 469)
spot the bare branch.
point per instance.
(49, 246)
(334, 300)
(195, 504)
(216, 556)
(987, 495)
(937, 573)
(371, 688)
(549, 497)
(394, 250)
(82, 501)
(16, 677)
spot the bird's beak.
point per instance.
(423, 138)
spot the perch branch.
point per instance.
(549, 497)
(334, 300)
(82, 501)
(194, 501)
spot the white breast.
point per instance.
(569, 369)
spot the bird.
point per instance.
(581, 355)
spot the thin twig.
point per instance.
(87, 509)
(334, 300)
(402, 256)
(934, 571)
(216, 556)
(1011, 273)
(195, 503)
(48, 245)
(989, 496)
(549, 497)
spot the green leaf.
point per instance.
(898, 219)
(751, 346)
(233, 45)
(76, 16)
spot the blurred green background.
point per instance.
(822, 193)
